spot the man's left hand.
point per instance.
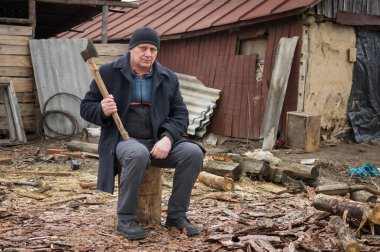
(162, 148)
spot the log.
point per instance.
(82, 146)
(343, 188)
(149, 208)
(215, 181)
(337, 205)
(277, 176)
(256, 168)
(301, 171)
(345, 234)
(364, 196)
(221, 168)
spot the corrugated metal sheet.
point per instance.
(329, 8)
(200, 101)
(59, 68)
(173, 17)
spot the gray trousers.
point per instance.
(134, 158)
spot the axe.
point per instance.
(88, 54)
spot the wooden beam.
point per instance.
(7, 20)
(32, 16)
(104, 24)
(347, 18)
(15, 30)
(133, 5)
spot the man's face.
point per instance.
(143, 56)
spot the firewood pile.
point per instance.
(46, 205)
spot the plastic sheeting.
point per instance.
(364, 101)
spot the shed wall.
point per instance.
(16, 65)
(329, 75)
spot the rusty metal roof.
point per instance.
(172, 18)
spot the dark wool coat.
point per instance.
(168, 112)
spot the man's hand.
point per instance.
(162, 148)
(108, 105)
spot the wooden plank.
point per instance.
(16, 113)
(279, 81)
(111, 49)
(15, 60)
(182, 56)
(15, 30)
(7, 112)
(13, 40)
(26, 109)
(23, 98)
(14, 50)
(20, 84)
(104, 59)
(238, 97)
(16, 71)
(232, 96)
(28, 121)
(213, 65)
(245, 118)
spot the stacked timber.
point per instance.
(16, 65)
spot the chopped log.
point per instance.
(149, 208)
(215, 181)
(256, 168)
(364, 196)
(343, 188)
(36, 173)
(278, 176)
(338, 205)
(297, 170)
(345, 234)
(221, 168)
(82, 146)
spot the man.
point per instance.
(147, 98)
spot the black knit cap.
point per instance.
(144, 35)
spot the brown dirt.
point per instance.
(226, 219)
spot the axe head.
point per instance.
(89, 52)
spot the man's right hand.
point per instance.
(108, 105)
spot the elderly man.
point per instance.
(147, 98)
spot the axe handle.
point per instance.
(103, 90)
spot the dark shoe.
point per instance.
(182, 223)
(131, 230)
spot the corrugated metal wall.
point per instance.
(212, 59)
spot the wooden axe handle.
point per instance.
(103, 90)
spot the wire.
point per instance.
(41, 122)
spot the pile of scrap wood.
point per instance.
(363, 208)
